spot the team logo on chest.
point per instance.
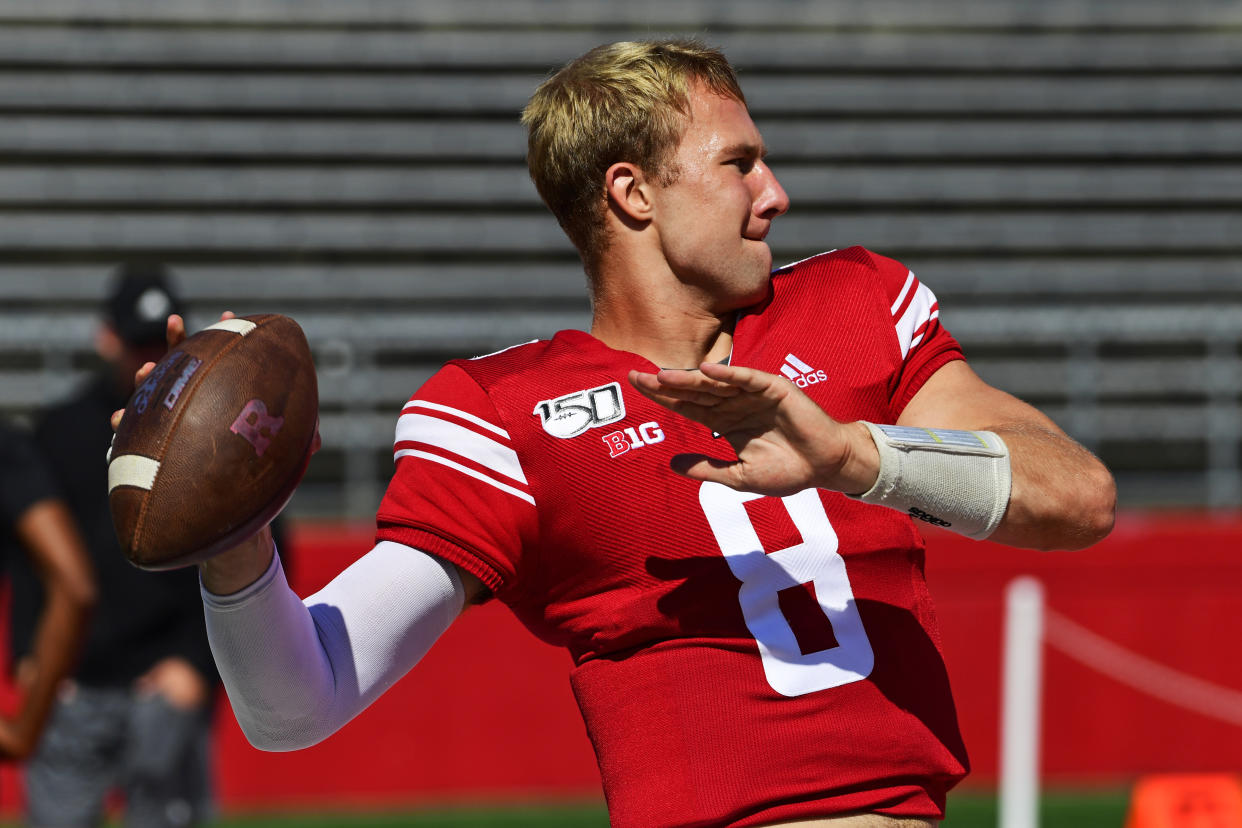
(800, 373)
(619, 442)
(572, 414)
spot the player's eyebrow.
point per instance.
(746, 149)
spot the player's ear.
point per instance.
(628, 190)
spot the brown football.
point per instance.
(214, 441)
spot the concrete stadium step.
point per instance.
(471, 330)
(238, 233)
(444, 140)
(822, 186)
(293, 286)
(435, 93)
(957, 14)
(227, 46)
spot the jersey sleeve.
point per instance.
(459, 491)
(925, 344)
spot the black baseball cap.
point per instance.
(142, 297)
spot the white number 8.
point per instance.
(765, 574)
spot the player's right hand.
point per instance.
(783, 440)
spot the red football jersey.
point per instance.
(739, 660)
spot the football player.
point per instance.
(710, 499)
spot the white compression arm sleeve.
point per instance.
(296, 671)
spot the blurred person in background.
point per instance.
(35, 526)
(135, 714)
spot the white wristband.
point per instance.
(959, 480)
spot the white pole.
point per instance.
(1020, 705)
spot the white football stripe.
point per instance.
(901, 297)
(799, 364)
(465, 415)
(457, 439)
(132, 470)
(917, 312)
(444, 461)
(788, 371)
(237, 326)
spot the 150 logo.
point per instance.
(572, 414)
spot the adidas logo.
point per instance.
(800, 373)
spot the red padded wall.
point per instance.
(488, 715)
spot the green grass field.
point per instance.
(1058, 809)
(1062, 809)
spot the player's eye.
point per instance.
(743, 164)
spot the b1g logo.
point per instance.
(572, 414)
(619, 442)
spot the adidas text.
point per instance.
(810, 379)
(801, 374)
(926, 518)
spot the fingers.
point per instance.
(745, 400)
(706, 469)
(740, 377)
(143, 372)
(711, 382)
(174, 332)
(685, 403)
(673, 378)
(686, 386)
(174, 335)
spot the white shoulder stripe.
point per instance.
(465, 415)
(901, 297)
(444, 461)
(459, 440)
(918, 313)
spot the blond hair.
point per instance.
(623, 101)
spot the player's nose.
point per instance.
(771, 200)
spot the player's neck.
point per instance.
(668, 334)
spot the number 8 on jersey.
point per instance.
(764, 574)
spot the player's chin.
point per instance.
(758, 280)
(759, 252)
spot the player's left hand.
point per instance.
(784, 442)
